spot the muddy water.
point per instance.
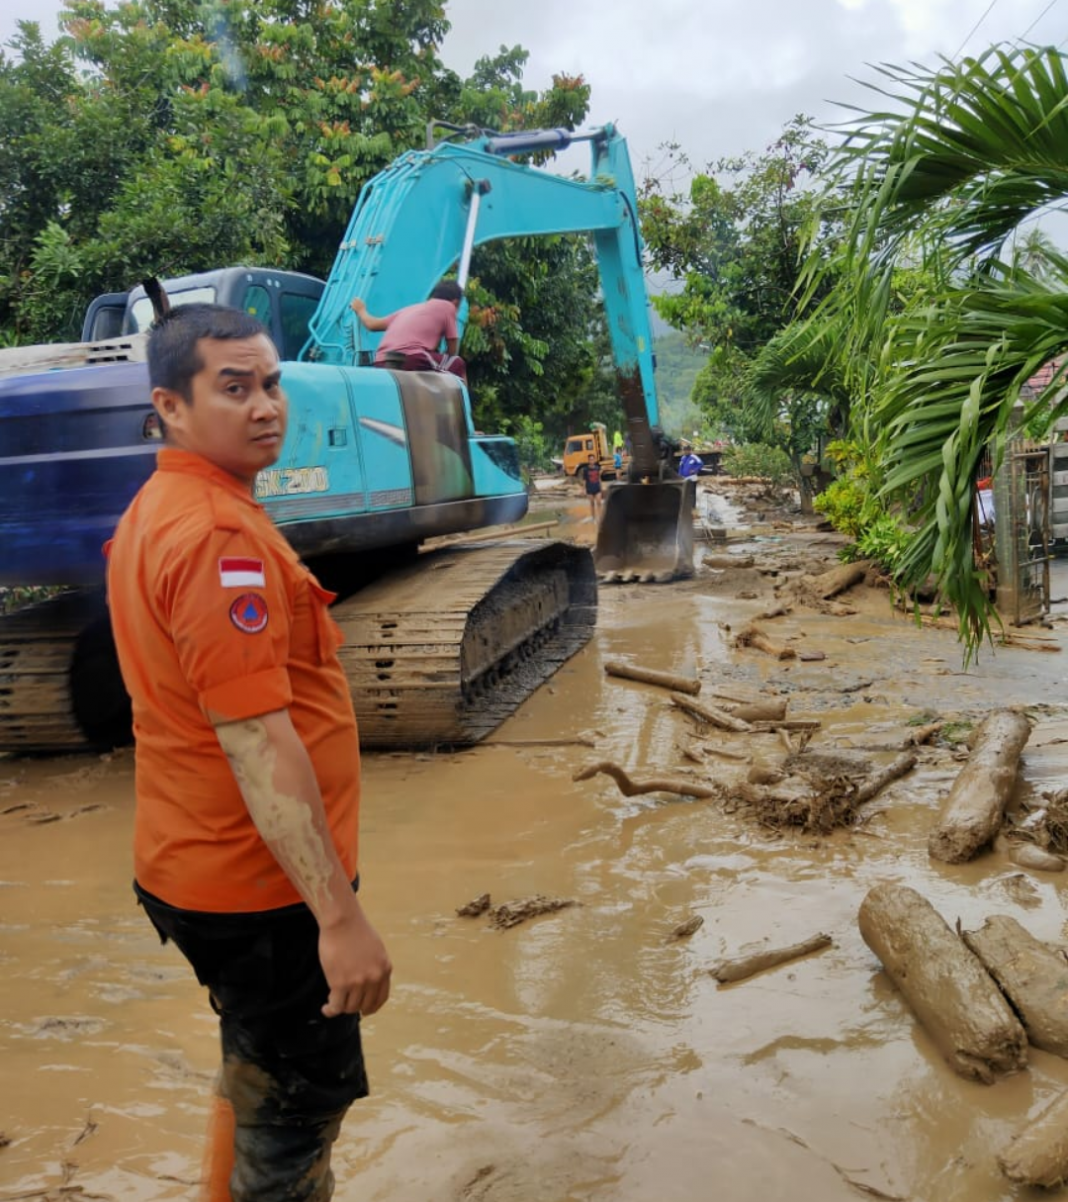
(580, 1056)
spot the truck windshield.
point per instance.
(141, 314)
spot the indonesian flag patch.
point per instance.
(236, 572)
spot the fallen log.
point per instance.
(633, 788)
(738, 698)
(777, 611)
(762, 711)
(879, 780)
(727, 755)
(786, 724)
(1039, 1153)
(713, 717)
(723, 562)
(1028, 855)
(829, 584)
(922, 734)
(973, 812)
(1033, 975)
(576, 741)
(743, 967)
(951, 994)
(750, 636)
(666, 680)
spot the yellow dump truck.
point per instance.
(579, 448)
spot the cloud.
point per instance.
(721, 77)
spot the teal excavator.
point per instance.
(441, 644)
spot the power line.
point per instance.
(1036, 20)
(975, 27)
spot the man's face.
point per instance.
(237, 419)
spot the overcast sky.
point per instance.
(716, 76)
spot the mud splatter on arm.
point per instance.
(277, 781)
(278, 784)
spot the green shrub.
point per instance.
(848, 505)
(757, 459)
(884, 541)
(532, 446)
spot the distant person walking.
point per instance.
(414, 334)
(593, 486)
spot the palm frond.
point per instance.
(973, 149)
(972, 352)
(801, 358)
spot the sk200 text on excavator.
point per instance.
(440, 645)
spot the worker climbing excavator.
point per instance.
(441, 645)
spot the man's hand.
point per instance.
(358, 306)
(356, 966)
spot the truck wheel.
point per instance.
(98, 696)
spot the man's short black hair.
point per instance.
(448, 290)
(173, 360)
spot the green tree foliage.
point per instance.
(966, 154)
(734, 243)
(768, 463)
(734, 239)
(170, 136)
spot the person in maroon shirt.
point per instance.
(414, 334)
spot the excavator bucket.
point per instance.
(646, 532)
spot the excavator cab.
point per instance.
(646, 532)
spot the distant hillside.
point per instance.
(676, 369)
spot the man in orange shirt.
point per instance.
(247, 760)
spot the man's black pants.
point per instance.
(289, 1073)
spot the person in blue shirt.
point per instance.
(690, 465)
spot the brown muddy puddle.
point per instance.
(582, 1055)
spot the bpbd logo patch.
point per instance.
(249, 613)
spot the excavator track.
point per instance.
(439, 652)
(444, 650)
(59, 683)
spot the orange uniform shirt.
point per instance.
(213, 613)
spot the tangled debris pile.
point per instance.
(511, 914)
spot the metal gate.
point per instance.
(1022, 533)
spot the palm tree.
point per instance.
(947, 177)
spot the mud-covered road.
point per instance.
(583, 1055)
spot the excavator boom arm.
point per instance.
(416, 219)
